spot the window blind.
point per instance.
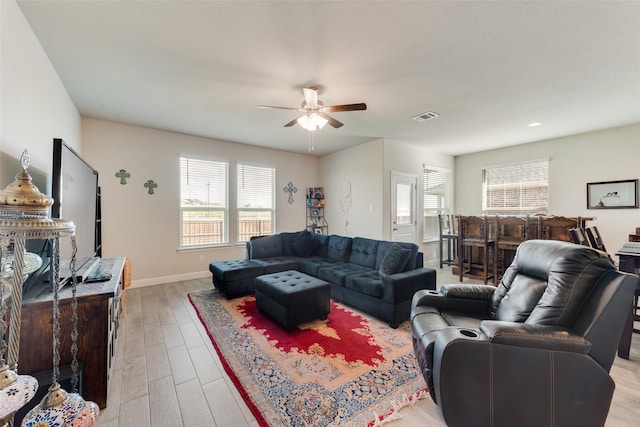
(203, 202)
(518, 189)
(255, 194)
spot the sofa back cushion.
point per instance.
(288, 240)
(303, 244)
(322, 246)
(364, 252)
(548, 282)
(339, 247)
(384, 246)
(266, 247)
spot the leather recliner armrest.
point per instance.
(445, 302)
(477, 292)
(544, 337)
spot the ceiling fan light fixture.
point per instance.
(312, 122)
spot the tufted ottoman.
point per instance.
(237, 277)
(291, 297)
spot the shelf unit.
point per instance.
(315, 211)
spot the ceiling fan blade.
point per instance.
(291, 123)
(345, 107)
(281, 108)
(333, 122)
(310, 96)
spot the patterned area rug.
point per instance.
(349, 370)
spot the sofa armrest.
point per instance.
(460, 300)
(544, 337)
(401, 286)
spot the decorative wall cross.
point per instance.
(290, 189)
(123, 175)
(150, 185)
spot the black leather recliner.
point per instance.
(534, 351)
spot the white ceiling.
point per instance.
(487, 68)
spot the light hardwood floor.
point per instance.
(167, 372)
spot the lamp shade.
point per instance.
(311, 122)
(15, 391)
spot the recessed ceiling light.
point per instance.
(534, 124)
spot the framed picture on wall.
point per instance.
(612, 194)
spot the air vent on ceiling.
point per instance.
(425, 116)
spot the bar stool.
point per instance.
(510, 232)
(475, 234)
(557, 227)
(449, 235)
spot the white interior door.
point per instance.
(403, 207)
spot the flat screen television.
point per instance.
(76, 197)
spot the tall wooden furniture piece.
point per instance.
(510, 232)
(475, 241)
(99, 312)
(447, 227)
(557, 227)
(629, 262)
(595, 240)
(578, 237)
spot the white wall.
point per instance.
(145, 227)
(606, 155)
(34, 105)
(361, 166)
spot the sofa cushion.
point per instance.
(312, 265)
(304, 244)
(277, 264)
(384, 246)
(364, 252)
(337, 274)
(339, 247)
(288, 238)
(322, 248)
(394, 260)
(369, 283)
(236, 269)
(266, 247)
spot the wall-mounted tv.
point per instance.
(76, 196)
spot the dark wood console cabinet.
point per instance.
(99, 315)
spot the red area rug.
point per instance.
(348, 370)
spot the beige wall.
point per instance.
(409, 159)
(146, 227)
(34, 105)
(361, 166)
(606, 155)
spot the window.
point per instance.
(517, 189)
(255, 201)
(203, 202)
(436, 199)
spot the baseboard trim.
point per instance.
(169, 279)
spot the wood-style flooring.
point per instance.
(167, 373)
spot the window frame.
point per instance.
(210, 209)
(443, 205)
(239, 210)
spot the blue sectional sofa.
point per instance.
(374, 276)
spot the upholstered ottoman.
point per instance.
(291, 297)
(236, 277)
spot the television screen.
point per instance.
(75, 194)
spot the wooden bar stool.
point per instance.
(510, 232)
(475, 235)
(449, 236)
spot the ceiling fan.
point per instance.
(315, 112)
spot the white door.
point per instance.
(403, 207)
